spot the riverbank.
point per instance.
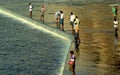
(96, 32)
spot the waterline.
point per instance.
(35, 25)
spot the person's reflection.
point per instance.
(77, 52)
(116, 41)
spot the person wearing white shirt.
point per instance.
(72, 17)
(115, 22)
(30, 10)
(76, 22)
(62, 20)
(57, 17)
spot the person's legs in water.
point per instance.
(62, 27)
(30, 14)
(72, 25)
(116, 32)
(73, 69)
(62, 24)
(57, 21)
(42, 18)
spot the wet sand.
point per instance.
(96, 54)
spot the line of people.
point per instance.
(74, 22)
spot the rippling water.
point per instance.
(27, 51)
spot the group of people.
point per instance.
(42, 10)
(59, 16)
(115, 21)
(74, 22)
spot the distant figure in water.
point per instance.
(30, 10)
(72, 62)
(42, 10)
(115, 22)
(57, 17)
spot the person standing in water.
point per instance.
(76, 32)
(76, 27)
(62, 20)
(42, 10)
(30, 9)
(72, 18)
(72, 62)
(57, 17)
